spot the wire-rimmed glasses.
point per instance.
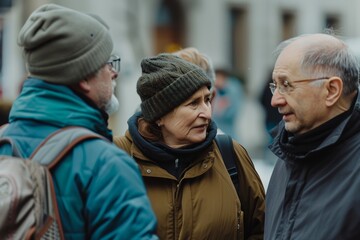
(114, 63)
(285, 87)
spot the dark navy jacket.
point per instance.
(316, 195)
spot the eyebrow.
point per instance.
(280, 78)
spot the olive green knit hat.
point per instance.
(64, 46)
(166, 82)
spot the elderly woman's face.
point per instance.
(187, 124)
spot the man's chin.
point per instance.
(291, 128)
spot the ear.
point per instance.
(159, 122)
(334, 86)
(84, 86)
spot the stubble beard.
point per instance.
(112, 105)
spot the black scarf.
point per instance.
(301, 144)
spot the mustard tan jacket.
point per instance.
(203, 204)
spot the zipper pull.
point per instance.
(176, 163)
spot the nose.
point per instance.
(114, 73)
(277, 100)
(205, 110)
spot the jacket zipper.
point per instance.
(175, 202)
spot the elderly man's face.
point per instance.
(102, 90)
(302, 103)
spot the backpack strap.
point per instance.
(3, 128)
(60, 143)
(51, 150)
(225, 145)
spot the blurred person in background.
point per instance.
(314, 189)
(172, 140)
(193, 56)
(272, 115)
(228, 102)
(271, 119)
(99, 189)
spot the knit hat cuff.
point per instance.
(180, 90)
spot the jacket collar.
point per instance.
(57, 105)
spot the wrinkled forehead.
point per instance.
(287, 64)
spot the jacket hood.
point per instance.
(57, 105)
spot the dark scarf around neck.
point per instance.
(300, 145)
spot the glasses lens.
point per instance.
(272, 87)
(115, 63)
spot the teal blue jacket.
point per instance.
(99, 188)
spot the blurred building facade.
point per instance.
(238, 34)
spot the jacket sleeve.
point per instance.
(252, 195)
(117, 204)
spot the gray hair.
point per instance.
(328, 60)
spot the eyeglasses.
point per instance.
(285, 87)
(114, 63)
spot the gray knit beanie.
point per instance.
(64, 46)
(166, 82)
